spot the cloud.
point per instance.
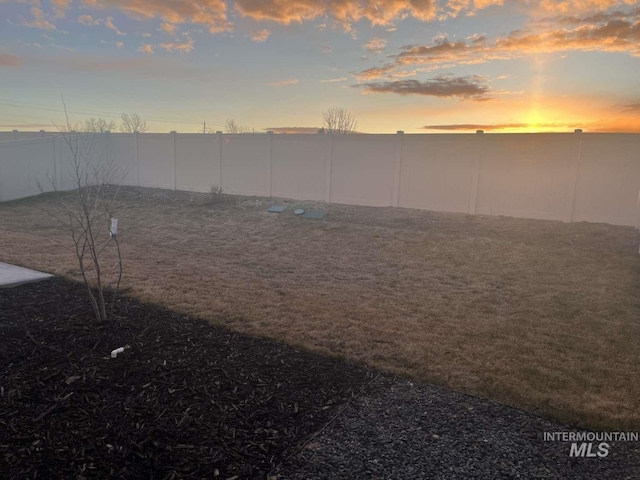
(631, 108)
(119, 44)
(374, 72)
(482, 126)
(146, 48)
(293, 130)
(39, 20)
(348, 12)
(88, 20)
(325, 49)
(453, 8)
(186, 46)
(375, 45)
(210, 13)
(282, 83)
(334, 80)
(8, 60)
(601, 33)
(109, 24)
(60, 6)
(581, 6)
(168, 28)
(260, 35)
(469, 87)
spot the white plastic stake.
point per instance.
(114, 353)
(113, 231)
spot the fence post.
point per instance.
(137, 133)
(475, 179)
(327, 168)
(43, 133)
(15, 134)
(397, 169)
(270, 174)
(219, 134)
(55, 165)
(173, 137)
(570, 198)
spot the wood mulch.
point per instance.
(187, 399)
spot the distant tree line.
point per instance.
(131, 122)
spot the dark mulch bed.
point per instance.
(187, 399)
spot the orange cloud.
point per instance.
(348, 12)
(617, 32)
(168, 28)
(493, 126)
(210, 13)
(60, 6)
(39, 19)
(8, 60)
(456, 7)
(282, 83)
(109, 24)
(375, 45)
(146, 48)
(260, 35)
(581, 6)
(88, 20)
(186, 46)
(334, 80)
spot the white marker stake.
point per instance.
(113, 231)
(114, 353)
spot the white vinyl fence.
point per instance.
(591, 177)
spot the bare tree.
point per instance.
(133, 123)
(94, 125)
(230, 126)
(338, 120)
(88, 214)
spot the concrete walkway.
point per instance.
(12, 275)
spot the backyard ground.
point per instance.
(536, 314)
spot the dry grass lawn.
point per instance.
(537, 314)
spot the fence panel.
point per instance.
(25, 167)
(298, 166)
(156, 165)
(197, 162)
(525, 175)
(246, 160)
(608, 179)
(362, 169)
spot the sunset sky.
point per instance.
(415, 65)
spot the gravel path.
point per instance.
(405, 430)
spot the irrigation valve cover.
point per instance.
(113, 231)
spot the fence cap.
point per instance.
(578, 130)
(479, 131)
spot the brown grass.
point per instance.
(537, 314)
